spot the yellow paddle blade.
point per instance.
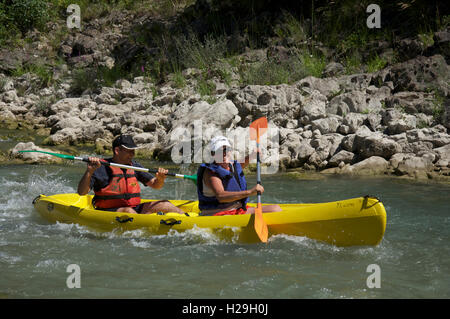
(260, 124)
(260, 224)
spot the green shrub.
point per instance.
(265, 73)
(273, 72)
(352, 63)
(193, 52)
(426, 38)
(375, 64)
(205, 87)
(93, 78)
(43, 72)
(438, 106)
(83, 79)
(178, 79)
(291, 28)
(313, 64)
(28, 14)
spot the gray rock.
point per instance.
(220, 114)
(69, 122)
(333, 69)
(419, 74)
(10, 96)
(31, 157)
(327, 87)
(373, 121)
(434, 136)
(374, 165)
(354, 101)
(412, 102)
(8, 85)
(405, 123)
(354, 121)
(326, 125)
(410, 164)
(313, 108)
(368, 145)
(341, 157)
(443, 152)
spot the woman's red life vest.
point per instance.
(122, 191)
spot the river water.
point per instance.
(413, 257)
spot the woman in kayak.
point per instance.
(222, 188)
(118, 189)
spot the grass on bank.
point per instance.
(190, 51)
(18, 17)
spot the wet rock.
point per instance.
(32, 157)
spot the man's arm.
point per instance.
(84, 185)
(158, 181)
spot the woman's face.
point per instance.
(223, 155)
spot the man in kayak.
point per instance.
(221, 187)
(118, 189)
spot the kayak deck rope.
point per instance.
(366, 199)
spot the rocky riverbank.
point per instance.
(392, 121)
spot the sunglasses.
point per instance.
(225, 150)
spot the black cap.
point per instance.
(126, 141)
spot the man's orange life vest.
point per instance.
(123, 190)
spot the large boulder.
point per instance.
(374, 165)
(419, 74)
(33, 157)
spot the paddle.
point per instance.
(258, 128)
(141, 169)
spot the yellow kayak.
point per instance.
(351, 222)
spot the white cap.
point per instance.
(219, 142)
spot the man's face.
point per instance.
(124, 155)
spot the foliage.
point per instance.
(274, 72)
(375, 64)
(195, 53)
(92, 79)
(28, 14)
(43, 72)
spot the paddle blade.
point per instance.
(260, 124)
(260, 224)
(192, 178)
